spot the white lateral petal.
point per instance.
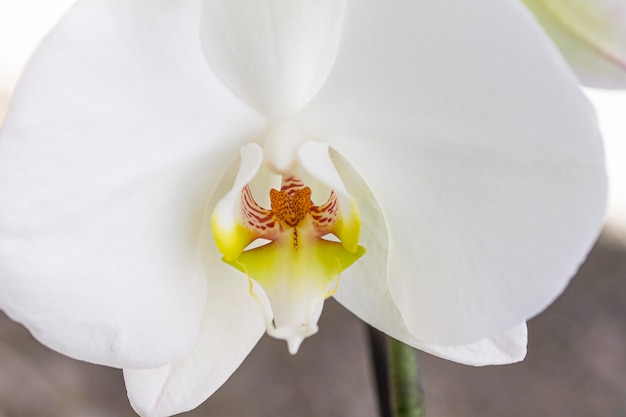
(231, 326)
(367, 296)
(116, 136)
(591, 35)
(485, 159)
(273, 54)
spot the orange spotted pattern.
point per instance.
(289, 207)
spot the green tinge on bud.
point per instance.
(591, 34)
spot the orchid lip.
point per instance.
(297, 265)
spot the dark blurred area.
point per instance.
(576, 367)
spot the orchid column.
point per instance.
(458, 165)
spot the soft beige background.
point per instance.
(576, 366)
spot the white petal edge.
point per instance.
(490, 174)
(610, 105)
(501, 349)
(116, 136)
(275, 55)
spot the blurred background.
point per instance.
(576, 364)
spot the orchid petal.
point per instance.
(490, 180)
(273, 54)
(227, 335)
(116, 136)
(364, 291)
(591, 35)
(232, 324)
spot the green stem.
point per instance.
(407, 394)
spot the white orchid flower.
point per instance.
(591, 34)
(446, 146)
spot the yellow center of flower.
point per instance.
(300, 267)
